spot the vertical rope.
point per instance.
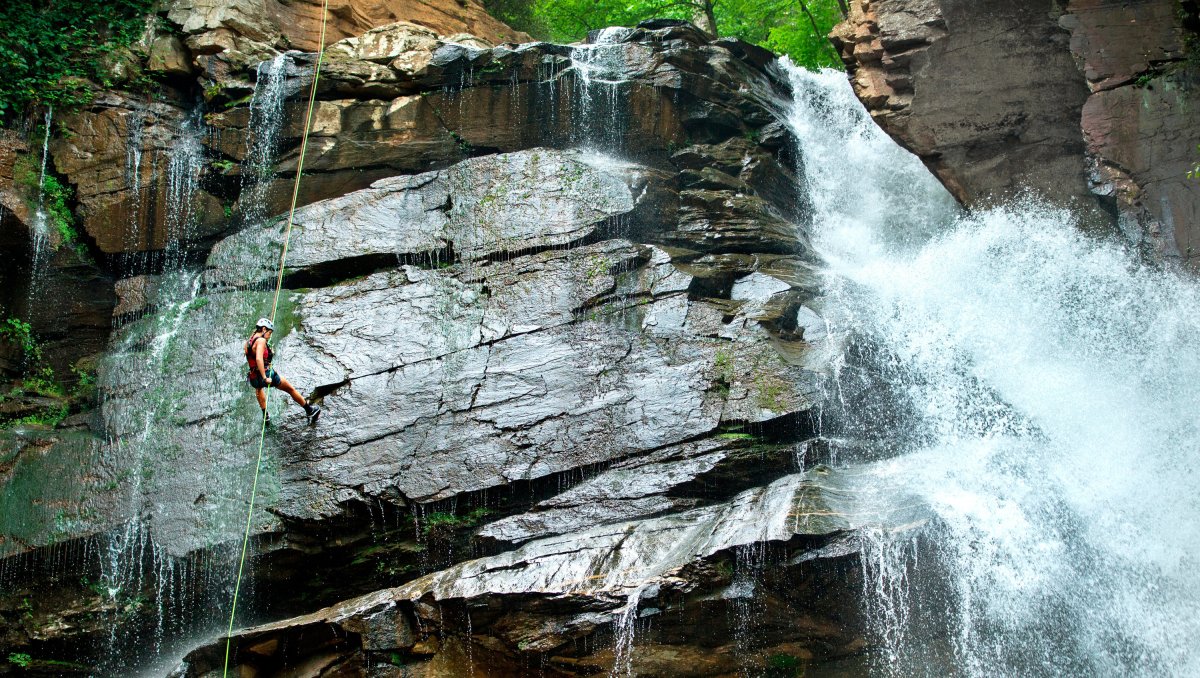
(287, 234)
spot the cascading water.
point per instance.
(598, 68)
(41, 220)
(266, 120)
(184, 166)
(189, 596)
(1041, 390)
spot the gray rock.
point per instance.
(481, 207)
(550, 597)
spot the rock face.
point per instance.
(1087, 105)
(298, 24)
(550, 300)
(680, 586)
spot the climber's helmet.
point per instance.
(265, 324)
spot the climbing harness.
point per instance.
(287, 234)
(252, 359)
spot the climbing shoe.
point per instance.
(267, 419)
(313, 411)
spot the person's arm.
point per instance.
(260, 346)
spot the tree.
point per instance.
(793, 27)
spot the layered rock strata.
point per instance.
(1087, 105)
(566, 311)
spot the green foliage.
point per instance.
(441, 523)
(464, 146)
(50, 48)
(39, 380)
(20, 334)
(783, 666)
(56, 196)
(20, 659)
(1194, 173)
(783, 26)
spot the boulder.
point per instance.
(169, 56)
(991, 109)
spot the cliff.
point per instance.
(1088, 104)
(560, 308)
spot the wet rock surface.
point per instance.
(573, 605)
(1072, 104)
(522, 335)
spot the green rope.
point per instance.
(262, 435)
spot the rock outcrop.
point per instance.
(682, 587)
(548, 296)
(1087, 105)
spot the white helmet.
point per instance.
(265, 323)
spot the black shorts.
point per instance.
(257, 382)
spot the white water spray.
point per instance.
(599, 69)
(1047, 386)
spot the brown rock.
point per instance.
(985, 93)
(169, 57)
(136, 295)
(994, 97)
(1143, 139)
(297, 25)
(14, 204)
(1117, 42)
(118, 155)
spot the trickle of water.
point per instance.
(184, 166)
(266, 121)
(134, 131)
(625, 630)
(1045, 385)
(40, 255)
(599, 69)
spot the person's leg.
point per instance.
(261, 394)
(284, 386)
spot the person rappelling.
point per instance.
(261, 376)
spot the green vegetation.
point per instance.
(784, 666)
(51, 48)
(20, 659)
(56, 195)
(796, 28)
(38, 379)
(1194, 173)
(464, 146)
(20, 334)
(441, 523)
(722, 371)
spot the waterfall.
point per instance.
(40, 255)
(598, 68)
(1041, 392)
(266, 121)
(147, 399)
(184, 166)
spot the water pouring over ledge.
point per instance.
(1041, 390)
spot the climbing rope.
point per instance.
(287, 234)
